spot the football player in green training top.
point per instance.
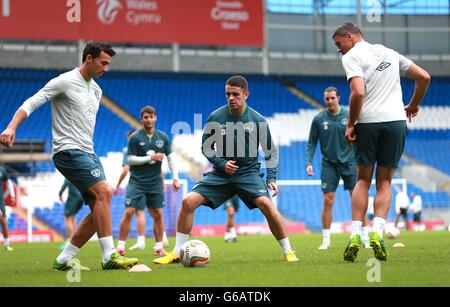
(146, 150)
(338, 159)
(231, 139)
(140, 214)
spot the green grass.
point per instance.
(252, 261)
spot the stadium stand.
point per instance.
(178, 96)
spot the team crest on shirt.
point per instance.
(95, 172)
(159, 143)
(325, 125)
(97, 95)
(383, 66)
(249, 126)
(344, 121)
(90, 113)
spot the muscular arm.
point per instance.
(357, 92)
(8, 136)
(422, 80)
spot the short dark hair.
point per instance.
(94, 48)
(148, 109)
(345, 28)
(238, 81)
(332, 89)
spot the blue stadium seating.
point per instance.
(178, 97)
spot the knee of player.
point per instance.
(129, 212)
(265, 204)
(329, 198)
(102, 192)
(188, 203)
(157, 216)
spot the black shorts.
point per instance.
(381, 143)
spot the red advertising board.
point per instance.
(199, 22)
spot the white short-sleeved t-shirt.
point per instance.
(75, 103)
(381, 68)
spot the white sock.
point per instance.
(181, 238)
(365, 233)
(107, 245)
(121, 245)
(227, 235)
(164, 236)
(326, 233)
(158, 245)
(141, 240)
(285, 245)
(356, 228)
(68, 253)
(233, 232)
(6, 242)
(378, 225)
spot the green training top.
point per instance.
(330, 130)
(228, 137)
(147, 176)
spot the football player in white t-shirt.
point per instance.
(75, 98)
(376, 125)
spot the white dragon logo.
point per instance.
(108, 10)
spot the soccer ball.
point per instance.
(194, 253)
(392, 232)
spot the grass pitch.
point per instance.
(252, 261)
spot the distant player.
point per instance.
(72, 205)
(3, 218)
(402, 204)
(146, 150)
(338, 159)
(231, 206)
(75, 98)
(416, 208)
(140, 214)
(231, 139)
(376, 125)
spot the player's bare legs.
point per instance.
(69, 221)
(99, 220)
(327, 218)
(158, 229)
(125, 223)
(230, 232)
(186, 216)
(360, 195)
(272, 215)
(230, 217)
(140, 222)
(184, 225)
(327, 210)
(4, 225)
(275, 221)
(382, 202)
(360, 201)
